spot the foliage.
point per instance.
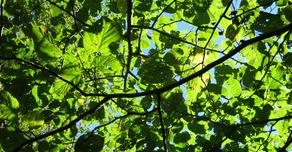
(145, 75)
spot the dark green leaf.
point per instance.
(90, 143)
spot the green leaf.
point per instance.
(34, 92)
(234, 32)
(288, 59)
(11, 101)
(230, 147)
(253, 57)
(6, 113)
(48, 50)
(266, 22)
(37, 34)
(154, 71)
(173, 100)
(100, 42)
(55, 11)
(265, 3)
(174, 57)
(231, 88)
(89, 143)
(107, 62)
(201, 19)
(182, 137)
(32, 120)
(282, 2)
(288, 12)
(196, 128)
(143, 5)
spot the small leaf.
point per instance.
(55, 11)
(36, 31)
(288, 12)
(9, 99)
(234, 32)
(34, 92)
(6, 113)
(288, 59)
(48, 50)
(202, 18)
(182, 137)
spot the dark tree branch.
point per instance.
(118, 118)
(43, 68)
(161, 121)
(207, 67)
(69, 125)
(169, 35)
(156, 19)
(214, 29)
(288, 142)
(264, 121)
(70, 14)
(269, 135)
(129, 37)
(1, 20)
(257, 122)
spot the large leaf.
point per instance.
(231, 88)
(266, 22)
(99, 42)
(32, 120)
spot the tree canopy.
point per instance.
(145, 75)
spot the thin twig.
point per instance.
(171, 36)
(214, 29)
(70, 14)
(1, 20)
(288, 142)
(161, 121)
(154, 22)
(129, 37)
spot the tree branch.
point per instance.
(161, 121)
(129, 35)
(169, 35)
(69, 125)
(70, 14)
(206, 68)
(1, 20)
(154, 22)
(288, 142)
(264, 121)
(176, 84)
(43, 68)
(214, 29)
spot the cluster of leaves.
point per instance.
(145, 75)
